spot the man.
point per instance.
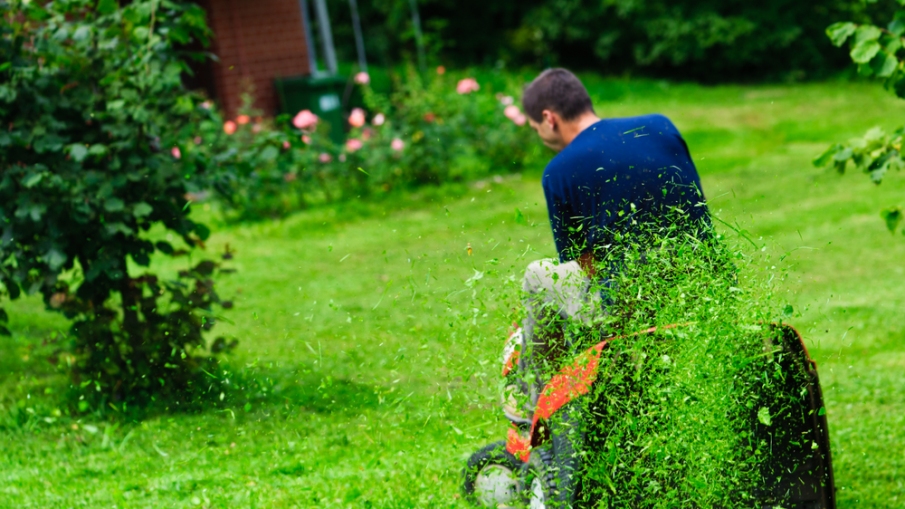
(610, 179)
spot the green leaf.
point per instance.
(31, 179)
(107, 6)
(892, 216)
(822, 411)
(897, 25)
(763, 415)
(55, 258)
(77, 152)
(33, 210)
(867, 33)
(3, 316)
(12, 289)
(117, 227)
(884, 64)
(269, 154)
(864, 51)
(843, 154)
(205, 267)
(141, 209)
(827, 156)
(164, 247)
(82, 33)
(519, 217)
(203, 231)
(113, 204)
(890, 44)
(97, 150)
(839, 32)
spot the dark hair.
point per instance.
(558, 90)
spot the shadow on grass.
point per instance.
(36, 393)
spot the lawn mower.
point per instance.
(534, 466)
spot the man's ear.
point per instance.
(551, 118)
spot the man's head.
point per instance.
(556, 102)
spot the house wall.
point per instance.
(256, 41)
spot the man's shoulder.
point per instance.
(604, 139)
(651, 121)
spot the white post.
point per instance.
(309, 41)
(323, 21)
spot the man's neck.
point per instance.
(574, 127)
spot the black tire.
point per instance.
(492, 459)
(540, 488)
(553, 480)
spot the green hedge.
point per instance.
(709, 40)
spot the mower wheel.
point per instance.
(553, 478)
(492, 477)
(541, 480)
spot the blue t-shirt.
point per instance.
(617, 174)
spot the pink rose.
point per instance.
(397, 144)
(257, 127)
(176, 152)
(324, 157)
(353, 144)
(206, 105)
(357, 117)
(512, 111)
(441, 70)
(229, 127)
(362, 78)
(197, 140)
(378, 119)
(306, 139)
(305, 120)
(366, 133)
(467, 86)
(520, 119)
(285, 145)
(507, 100)
(243, 119)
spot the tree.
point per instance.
(95, 150)
(879, 54)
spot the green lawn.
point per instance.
(374, 344)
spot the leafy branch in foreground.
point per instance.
(878, 53)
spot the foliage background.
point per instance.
(706, 40)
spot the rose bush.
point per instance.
(428, 131)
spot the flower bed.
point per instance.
(430, 130)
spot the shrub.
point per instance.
(429, 131)
(93, 156)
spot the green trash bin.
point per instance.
(322, 95)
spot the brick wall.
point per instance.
(256, 41)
